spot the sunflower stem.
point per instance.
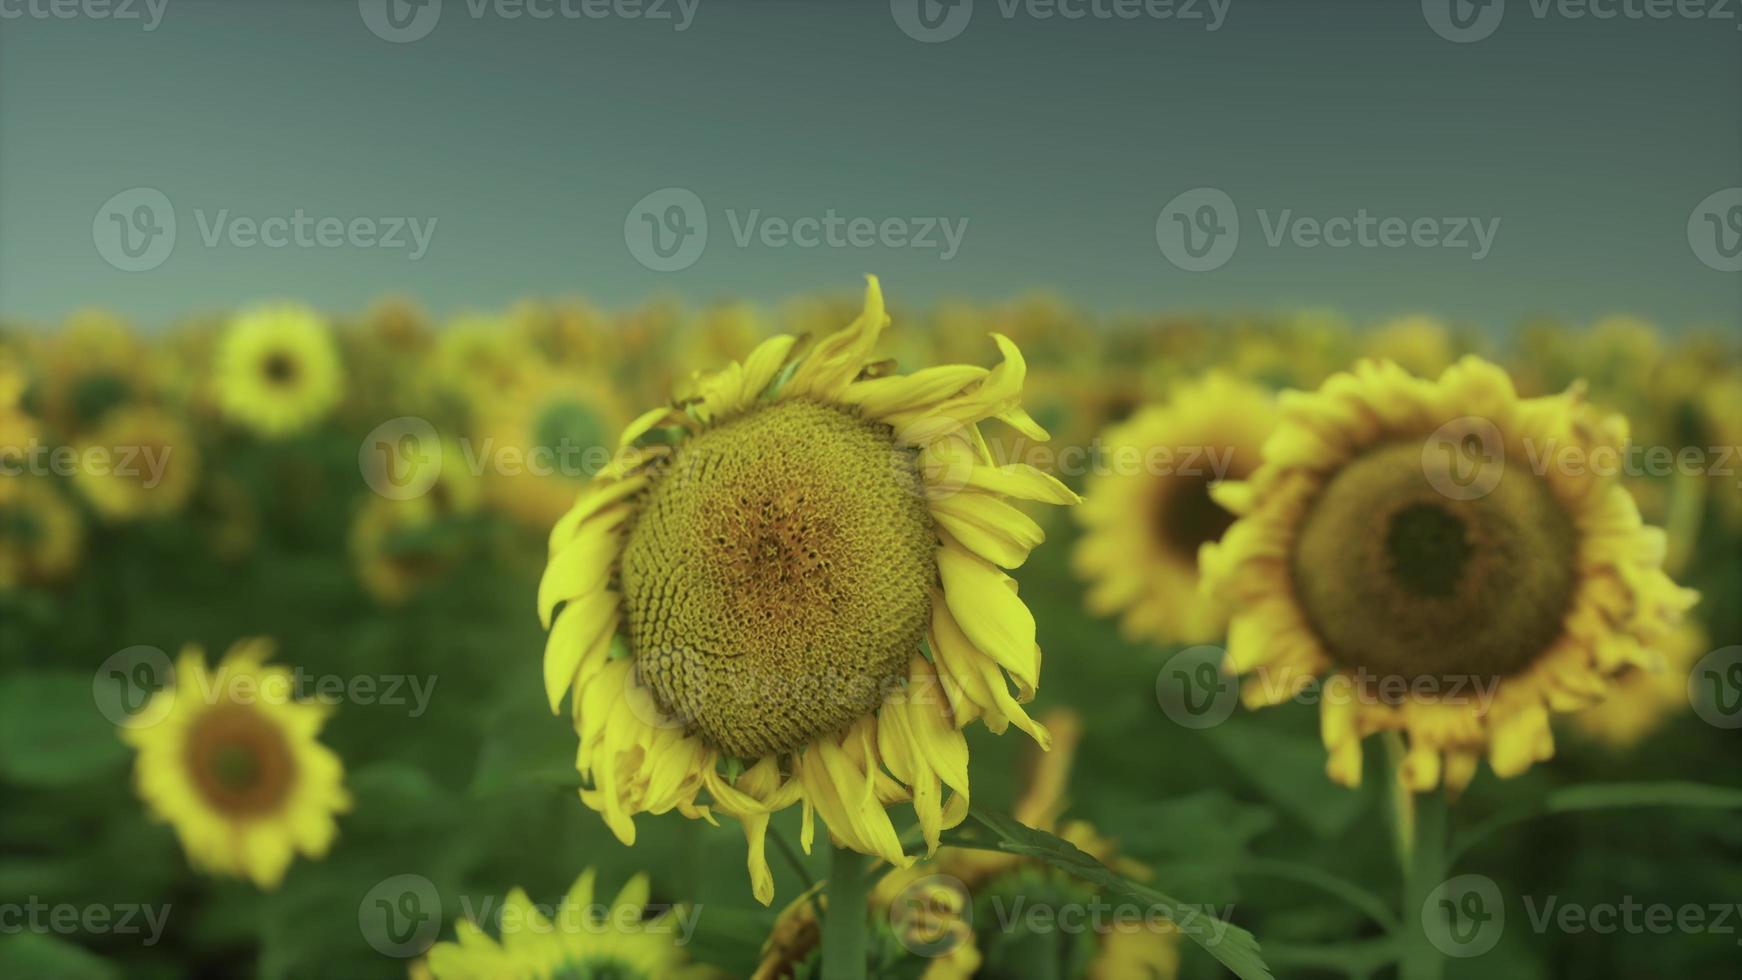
(1402, 803)
(1424, 873)
(845, 937)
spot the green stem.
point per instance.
(1425, 871)
(845, 936)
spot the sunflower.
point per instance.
(40, 533)
(141, 462)
(1449, 553)
(232, 761)
(1641, 700)
(399, 546)
(1419, 344)
(543, 438)
(1148, 508)
(947, 909)
(579, 938)
(762, 595)
(278, 370)
(937, 943)
(92, 365)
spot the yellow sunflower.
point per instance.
(278, 370)
(93, 364)
(1456, 557)
(541, 440)
(577, 937)
(1420, 345)
(1642, 699)
(945, 909)
(1148, 509)
(231, 759)
(40, 533)
(399, 546)
(939, 935)
(762, 596)
(140, 462)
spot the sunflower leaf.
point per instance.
(1611, 796)
(1236, 948)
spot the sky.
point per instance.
(1487, 164)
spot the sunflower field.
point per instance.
(843, 638)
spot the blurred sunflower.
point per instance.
(400, 546)
(1420, 345)
(40, 533)
(235, 766)
(93, 364)
(543, 438)
(931, 910)
(936, 942)
(1403, 535)
(278, 371)
(774, 549)
(586, 940)
(141, 462)
(1147, 510)
(479, 358)
(1642, 699)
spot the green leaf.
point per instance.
(51, 733)
(31, 954)
(1612, 796)
(1236, 948)
(1290, 771)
